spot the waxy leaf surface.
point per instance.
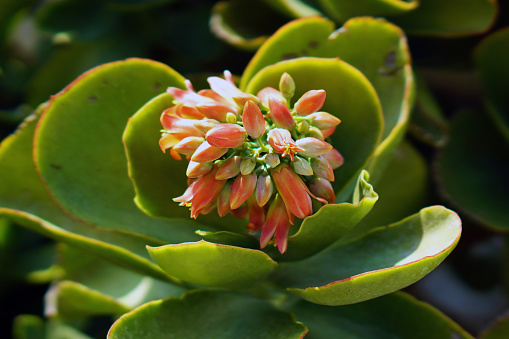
(207, 314)
(213, 265)
(380, 262)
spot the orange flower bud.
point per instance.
(256, 214)
(323, 120)
(253, 120)
(215, 110)
(310, 102)
(226, 136)
(277, 222)
(229, 169)
(334, 157)
(322, 168)
(323, 189)
(328, 132)
(280, 114)
(269, 92)
(293, 191)
(176, 125)
(243, 187)
(206, 152)
(312, 147)
(264, 189)
(168, 141)
(188, 145)
(205, 125)
(223, 200)
(197, 169)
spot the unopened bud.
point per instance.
(312, 147)
(231, 118)
(315, 133)
(301, 166)
(322, 189)
(223, 200)
(334, 157)
(216, 111)
(205, 125)
(226, 136)
(303, 127)
(188, 145)
(287, 86)
(272, 160)
(197, 169)
(323, 120)
(264, 189)
(206, 152)
(229, 169)
(310, 102)
(243, 187)
(269, 92)
(322, 168)
(247, 166)
(253, 120)
(280, 115)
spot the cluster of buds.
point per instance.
(252, 156)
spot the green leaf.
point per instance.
(207, 314)
(448, 18)
(25, 201)
(213, 265)
(330, 223)
(375, 47)
(28, 326)
(78, 146)
(498, 330)
(380, 262)
(403, 189)
(156, 176)
(491, 58)
(342, 10)
(350, 96)
(472, 169)
(394, 316)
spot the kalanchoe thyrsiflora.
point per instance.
(252, 156)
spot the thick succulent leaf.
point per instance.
(69, 300)
(157, 177)
(207, 314)
(330, 223)
(24, 200)
(428, 123)
(472, 169)
(230, 238)
(214, 265)
(78, 145)
(293, 8)
(491, 57)
(380, 262)
(498, 330)
(237, 22)
(402, 188)
(448, 18)
(342, 10)
(28, 326)
(375, 47)
(395, 316)
(350, 96)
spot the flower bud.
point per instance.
(323, 189)
(253, 120)
(226, 136)
(229, 169)
(243, 187)
(280, 114)
(323, 120)
(231, 118)
(206, 152)
(310, 102)
(168, 140)
(268, 92)
(188, 145)
(312, 147)
(301, 166)
(247, 166)
(287, 86)
(272, 160)
(322, 168)
(264, 189)
(223, 200)
(303, 127)
(328, 132)
(315, 133)
(334, 157)
(205, 125)
(197, 169)
(215, 110)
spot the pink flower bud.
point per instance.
(188, 145)
(253, 120)
(328, 132)
(264, 189)
(277, 222)
(323, 189)
(282, 143)
(310, 102)
(206, 152)
(243, 187)
(312, 147)
(176, 125)
(280, 114)
(223, 200)
(256, 214)
(205, 125)
(269, 92)
(215, 110)
(301, 166)
(229, 169)
(168, 141)
(334, 157)
(323, 120)
(197, 169)
(226, 136)
(241, 212)
(322, 168)
(293, 191)
(187, 112)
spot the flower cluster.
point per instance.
(252, 156)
